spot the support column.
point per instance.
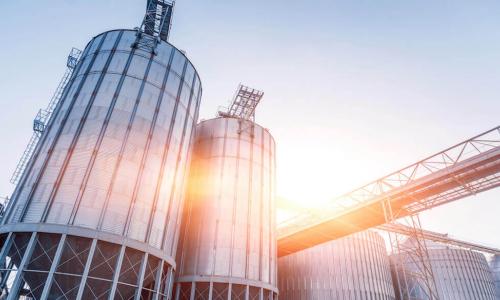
(116, 276)
(19, 275)
(159, 272)
(210, 290)
(6, 275)
(53, 267)
(229, 291)
(140, 283)
(178, 291)
(6, 246)
(193, 290)
(3, 256)
(170, 285)
(247, 292)
(86, 270)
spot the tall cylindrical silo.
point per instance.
(228, 247)
(495, 270)
(353, 267)
(459, 274)
(97, 212)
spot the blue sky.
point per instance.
(353, 89)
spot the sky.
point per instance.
(353, 89)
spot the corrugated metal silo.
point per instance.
(228, 246)
(97, 211)
(353, 267)
(495, 269)
(459, 274)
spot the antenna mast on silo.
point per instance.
(243, 104)
(155, 26)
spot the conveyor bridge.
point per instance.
(465, 169)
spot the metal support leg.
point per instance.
(141, 276)
(261, 294)
(210, 290)
(19, 275)
(116, 276)
(229, 291)
(6, 275)
(86, 270)
(6, 246)
(170, 285)
(193, 290)
(247, 292)
(55, 262)
(159, 272)
(396, 265)
(388, 216)
(422, 255)
(178, 292)
(3, 258)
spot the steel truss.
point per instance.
(465, 169)
(243, 104)
(40, 265)
(412, 271)
(411, 266)
(155, 26)
(212, 290)
(406, 230)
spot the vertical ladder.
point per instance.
(43, 116)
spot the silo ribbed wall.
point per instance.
(229, 242)
(354, 267)
(106, 183)
(458, 274)
(495, 269)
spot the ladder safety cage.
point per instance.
(43, 116)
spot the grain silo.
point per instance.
(353, 267)
(459, 274)
(495, 270)
(228, 247)
(96, 213)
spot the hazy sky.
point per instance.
(353, 89)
